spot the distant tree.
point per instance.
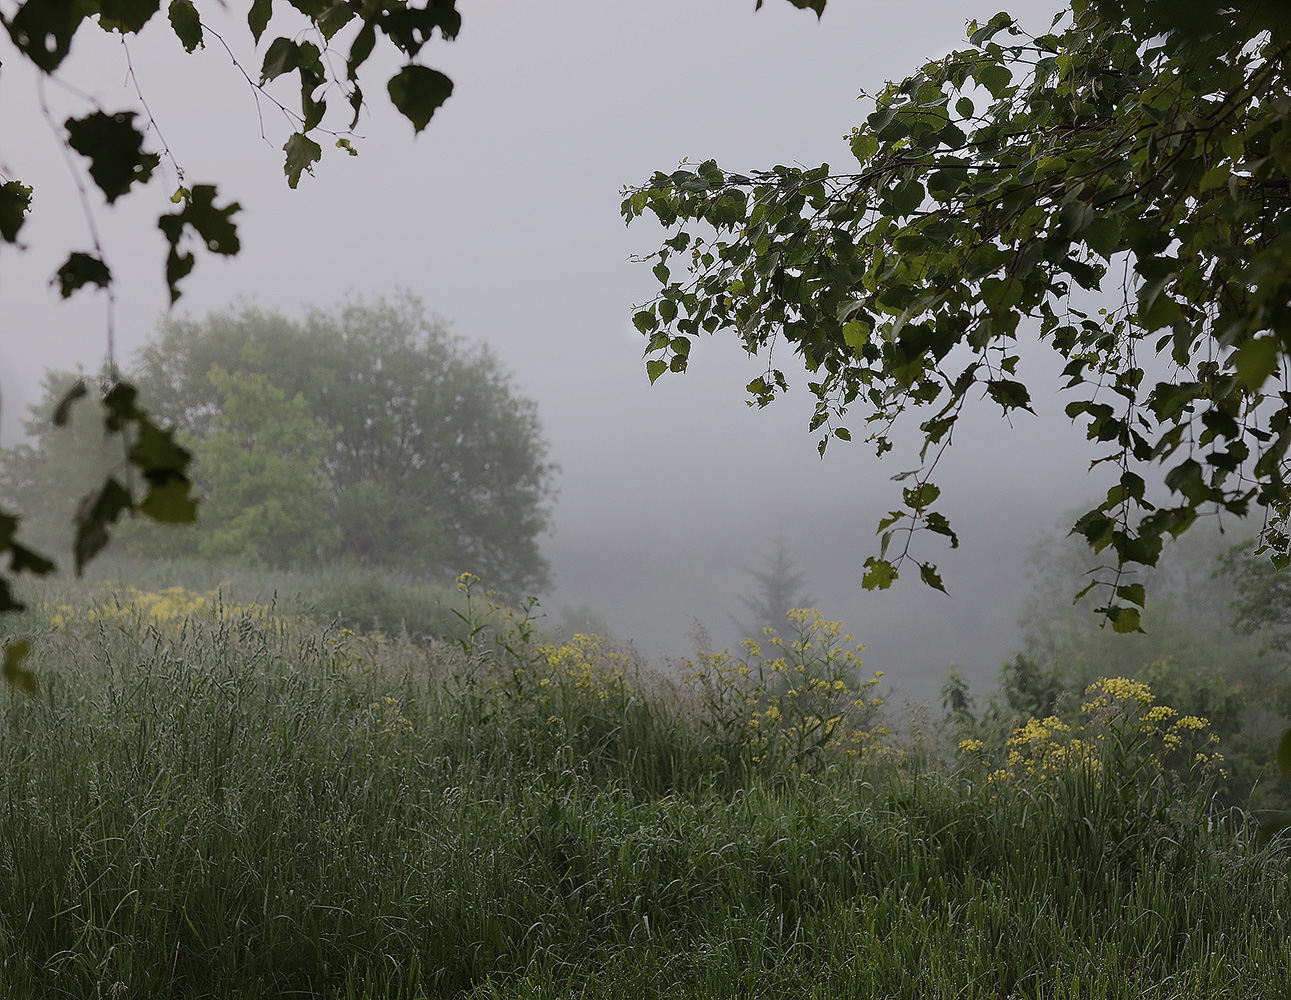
(780, 590)
(1262, 596)
(260, 466)
(438, 464)
(1029, 689)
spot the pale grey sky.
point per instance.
(503, 217)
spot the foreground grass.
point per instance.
(229, 804)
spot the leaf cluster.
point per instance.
(1118, 185)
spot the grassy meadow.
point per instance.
(228, 797)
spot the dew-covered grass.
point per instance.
(233, 801)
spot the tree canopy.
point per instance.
(437, 463)
(1117, 186)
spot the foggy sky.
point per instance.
(503, 217)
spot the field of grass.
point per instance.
(216, 798)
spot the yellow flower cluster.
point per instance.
(570, 676)
(388, 723)
(1119, 728)
(166, 608)
(581, 664)
(802, 695)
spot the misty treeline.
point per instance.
(364, 433)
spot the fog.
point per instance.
(503, 217)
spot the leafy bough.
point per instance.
(1119, 160)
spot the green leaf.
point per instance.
(1102, 234)
(302, 153)
(1124, 620)
(170, 503)
(96, 514)
(126, 16)
(258, 17)
(43, 30)
(15, 674)
(114, 148)
(417, 92)
(334, 18)
(928, 573)
(212, 224)
(80, 269)
(994, 78)
(1256, 360)
(1009, 394)
(655, 368)
(645, 320)
(156, 454)
(921, 496)
(1000, 295)
(15, 203)
(187, 24)
(856, 335)
(864, 146)
(907, 197)
(282, 56)
(879, 574)
(1132, 592)
(25, 560)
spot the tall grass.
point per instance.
(233, 803)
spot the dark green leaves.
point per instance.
(213, 225)
(817, 5)
(21, 560)
(1256, 360)
(94, 519)
(157, 458)
(113, 144)
(43, 29)
(285, 56)
(114, 148)
(186, 23)
(1009, 394)
(126, 16)
(1123, 619)
(879, 574)
(15, 203)
(258, 17)
(302, 153)
(81, 269)
(417, 92)
(1104, 155)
